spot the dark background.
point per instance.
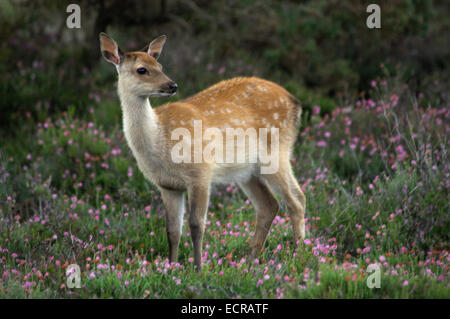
(321, 51)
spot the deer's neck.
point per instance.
(140, 123)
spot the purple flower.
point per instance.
(321, 143)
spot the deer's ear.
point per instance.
(156, 46)
(110, 50)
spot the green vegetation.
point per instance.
(371, 154)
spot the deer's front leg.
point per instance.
(198, 205)
(174, 204)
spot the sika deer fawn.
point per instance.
(240, 103)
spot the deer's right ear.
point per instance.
(110, 50)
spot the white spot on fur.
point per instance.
(261, 88)
(275, 116)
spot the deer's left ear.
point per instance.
(156, 46)
(110, 50)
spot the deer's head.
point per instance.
(140, 74)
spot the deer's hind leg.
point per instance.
(266, 207)
(285, 183)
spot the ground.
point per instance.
(375, 173)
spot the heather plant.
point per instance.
(371, 154)
(375, 173)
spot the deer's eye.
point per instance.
(141, 71)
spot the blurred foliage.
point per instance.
(371, 155)
(322, 51)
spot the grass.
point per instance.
(375, 173)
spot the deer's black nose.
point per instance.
(173, 86)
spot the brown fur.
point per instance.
(236, 103)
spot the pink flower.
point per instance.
(359, 191)
(316, 109)
(405, 283)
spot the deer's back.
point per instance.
(236, 103)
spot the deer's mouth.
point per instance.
(166, 93)
(169, 88)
